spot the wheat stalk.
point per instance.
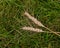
(38, 22)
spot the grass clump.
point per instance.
(12, 19)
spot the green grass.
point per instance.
(12, 19)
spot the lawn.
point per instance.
(12, 19)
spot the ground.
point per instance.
(12, 19)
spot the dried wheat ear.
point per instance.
(37, 23)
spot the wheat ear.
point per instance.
(36, 30)
(38, 22)
(32, 29)
(33, 19)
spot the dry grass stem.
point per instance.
(52, 31)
